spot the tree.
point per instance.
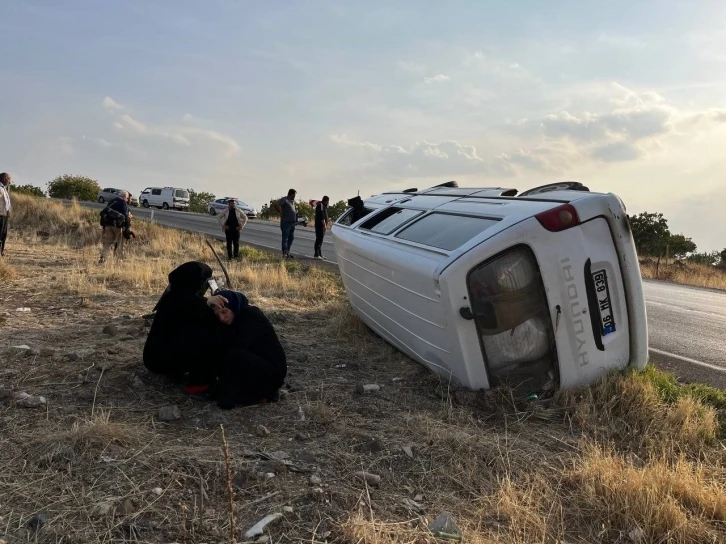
(722, 258)
(679, 246)
(68, 187)
(337, 209)
(708, 259)
(199, 202)
(30, 190)
(650, 233)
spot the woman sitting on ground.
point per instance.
(184, 332)
(253, 365)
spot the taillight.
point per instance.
(560, 218)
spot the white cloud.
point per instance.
(424, 159)
(187, 117)
(437, 78)
(110, 104)
(180, 135)
(63, 145)
(136, 126)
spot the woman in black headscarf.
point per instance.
(183, 334)
(253, 365)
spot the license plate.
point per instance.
(607, 322)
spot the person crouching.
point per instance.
(253, 366)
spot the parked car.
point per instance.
(165, 198)
(108, 194)
(221, 204)
(540, 291)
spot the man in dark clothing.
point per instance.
(5, 182)
(288, 217)
(321, 225)
(233, 220)
(253, 365)
(183, 334)
(115, 220)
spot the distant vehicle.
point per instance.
(221, 204)
(108, 194)
(165, 198)
(539, 291)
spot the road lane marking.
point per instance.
(687, 359)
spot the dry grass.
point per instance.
(684, 272)
(633, 454)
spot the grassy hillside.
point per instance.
(634, 458)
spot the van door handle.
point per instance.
(465, 312)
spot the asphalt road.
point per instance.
(687, 325)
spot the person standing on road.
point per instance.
(5, 182)
(233, 220)
(288, 218)
(321, 225)
(115, 220)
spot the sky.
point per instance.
(249, 99)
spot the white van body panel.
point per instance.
(415, 296)
(176, 198)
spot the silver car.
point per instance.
(221, 204)
(107, 195)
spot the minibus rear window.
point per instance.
(389, 220)
(445, 231)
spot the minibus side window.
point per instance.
(445, 231)
(389, 220)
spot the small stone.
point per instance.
(280, 455)
(302, 437)
(30, 401)
(6, 394)
(303, 357)
(113, 351)
(418, 498)
(396, 380)
(157, 491)
(110, 330)
(169, 413)
(47, 352)
(262, 431)
(128, 508)
(23, 348)
(408, 451)
(316, 480)
(317, 493)
(103, 509)
(72, 357)
(128, 337)
(445, 524)
(127, 317)
(371, 445)
(288, 509)
(373, 480)
(264, 539)
(37, 522)
(136, 382)
(269, 475)
(362, 389)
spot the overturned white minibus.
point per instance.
(538, 291)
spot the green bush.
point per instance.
(68, 187)
(30, 190)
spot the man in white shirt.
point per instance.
(5, 182)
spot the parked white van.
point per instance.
(538, 291)
(165, 198)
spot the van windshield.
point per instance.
(181, 193)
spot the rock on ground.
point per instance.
(169, 413)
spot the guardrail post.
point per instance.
(152, 216)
